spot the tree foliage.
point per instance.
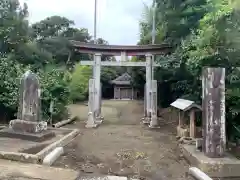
(79, 83)
(203, 33)
(44, 48)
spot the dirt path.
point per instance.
(121, 146)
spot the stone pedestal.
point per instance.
(27, 126)
(226, 167)
(27, 130)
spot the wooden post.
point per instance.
(180, 118)
(192, 124)
(214, 136)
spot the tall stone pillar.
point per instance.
(154, 120)
(214, 135)
(91, 105)
(148, 85)
(100, 118)
(145, 101)
(97, 68)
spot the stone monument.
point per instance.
(28, 125)
(214, 120)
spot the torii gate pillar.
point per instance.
(97, 82)
(148, 88)
(150, 95)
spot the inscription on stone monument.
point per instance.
(29, 100)
(214, 137)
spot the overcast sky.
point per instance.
(118, 20)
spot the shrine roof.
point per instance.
(185, 105)
(124, 79)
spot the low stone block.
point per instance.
(52, 156)
(36, 137)
(225, 167)
(27, 126)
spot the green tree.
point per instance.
(10, 73)
(53, 34)
(13, 25)
(203, 33)
(79, 83)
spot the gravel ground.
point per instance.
(121, 146)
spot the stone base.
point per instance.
(154, 122)
(36, 137)
(154, 127)
(146, 120)
(91, 125)
(27, 126)
(226, 167)
(99, 120)
(91, 122)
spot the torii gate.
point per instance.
(150, 97)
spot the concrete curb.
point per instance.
(2, 126)
(52, 156)
(61, 142)
(198, 174)
(22, 157)
(38, 158)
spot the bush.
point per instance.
(9, 85)
(54, 86)
(79, 83)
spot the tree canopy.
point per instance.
(44, 48)
(203, 33)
